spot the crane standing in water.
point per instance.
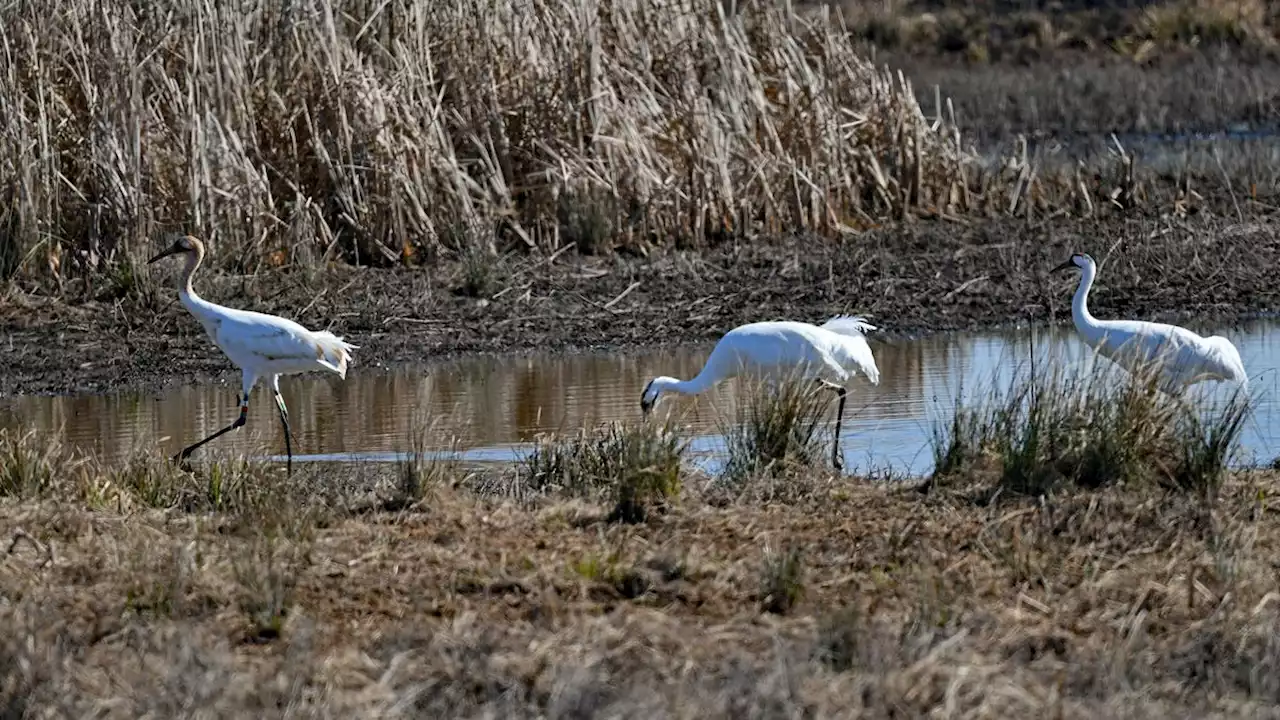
(836, 350)
(263, 346)
(1185, 357)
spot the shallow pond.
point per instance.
(494, 407)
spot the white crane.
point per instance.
(834, 351)
(263, 346)
(1185, 357)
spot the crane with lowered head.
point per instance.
(830, 353)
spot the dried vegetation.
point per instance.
(381, 133)
(141, 588)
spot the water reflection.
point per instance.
(496, 405)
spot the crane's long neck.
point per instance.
(186, 293)
(709, 375)
(1080, 303)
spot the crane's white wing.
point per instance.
(855, 352)
(1184, 356)
(1226, 358)
(266, 342)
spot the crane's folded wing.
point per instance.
(277, 340)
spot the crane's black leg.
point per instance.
(239, 422)
(835, 450)
(288, 442)
(841, 392)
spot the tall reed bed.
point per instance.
(379, 132)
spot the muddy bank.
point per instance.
(923, 277)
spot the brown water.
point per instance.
(495, 406)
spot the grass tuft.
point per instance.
(776, 433)
(781, 580)
(419, 472)
(147, 478)
(266, 573)
(481, 273)
(1053, 427)
(233, 484)
(840, 639)
(1208, 446)
(34, 463)
(636, 466)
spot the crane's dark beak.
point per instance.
(171, 250)
(1064, 266)
(645, 407)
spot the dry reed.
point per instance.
(376, 133)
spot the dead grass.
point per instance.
(388, 133)
(1191, 22)
(1116, 602)
(1060, 609)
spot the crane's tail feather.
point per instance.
(855, 326)
(854, 350)
(1229, 359)
(333, 352)
(872, 372)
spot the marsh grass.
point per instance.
(223, 483)
(635, 466)
(776, 436)
(1084, 603)
(420, 471)
(782, 579)
(39, 465)
(1051, 426)
(1208, 446)
(33, 463)
(396, 132)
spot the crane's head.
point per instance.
(1077, 260)
(185, 244)
(648, 398)
(652, 392)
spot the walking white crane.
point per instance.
(1185, 357)
(831, 354)
(263, 346)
